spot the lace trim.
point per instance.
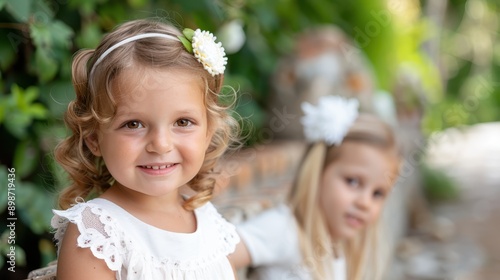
(97, 232)
(108, 241)
(226, 231)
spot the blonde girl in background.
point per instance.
(147, 129)
(328, 227)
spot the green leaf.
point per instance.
(186, 43)
(40, 34)
(42, 11)
(20, 256)
(54, 34)
(3, 108)
(21, 110)
(30, 94)
(52, 41)
(17, 124)
(61, 34)
(25, 158)
(89, 37)
(137, 3)
(2, 3)
(37, 111)
(112, 12)
(46, 65)
(438, 186)
(34, 206)
(7, 54)
(86, 7)
(20, 9)
(188, 33)
(3, 194)
(5, 249)
(17, 92)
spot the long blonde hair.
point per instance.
(315, 242)
(95, 104)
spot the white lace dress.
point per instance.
(136, 250)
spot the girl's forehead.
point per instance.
(352, 154)
(349, 150)
(139, 80)
(148, 76)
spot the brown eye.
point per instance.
(353, 182)
(379, 194)
(133, 125)
(183, 122)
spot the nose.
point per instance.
(363, 201)
(160, 141)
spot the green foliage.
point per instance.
(19, 110)
(20, 10)
(39, 39)
(471, 55)
(48, 39)
(438, 186)
(5, 248)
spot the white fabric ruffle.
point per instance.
(108, 231)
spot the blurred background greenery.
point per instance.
(448, 51)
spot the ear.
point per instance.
(93, 145)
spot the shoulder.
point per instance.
(273, 220)
(76, 214)
(271, 237)
(75, 262)
(224, 231)
(91, 226)
(85, 215)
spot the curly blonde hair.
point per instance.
(315, 241)
(95, 105)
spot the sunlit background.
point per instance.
(435, 64)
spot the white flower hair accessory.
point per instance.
(200, 43)
(330, 120)
(208, 52)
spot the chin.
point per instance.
(350, 234)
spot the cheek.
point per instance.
(375, 214)
(333, 199)
(335, 191)
(194, 148)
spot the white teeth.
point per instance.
(157, 167)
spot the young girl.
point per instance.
(327, 230)
(146, 123)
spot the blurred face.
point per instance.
(158, 138)
(354, 188)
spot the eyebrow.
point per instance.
(124, 112)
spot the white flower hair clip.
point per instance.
(330, 120)
(199, 43)
(209, 53)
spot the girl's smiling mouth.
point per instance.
(158, 169)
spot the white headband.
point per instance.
(200, 43)
(128, 40)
